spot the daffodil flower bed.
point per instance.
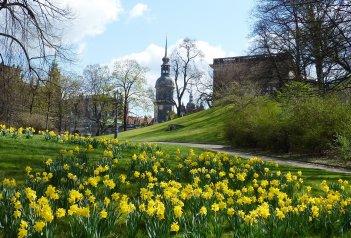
(11, 131)
(204, 195)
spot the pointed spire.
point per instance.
(166, 47)
(54, 62)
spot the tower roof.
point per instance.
(165, 59)
(165, 80)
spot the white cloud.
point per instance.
(151, 57)
(81, 48)
(210, 51)
(90, 17)
(138, 10)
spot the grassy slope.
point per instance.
(202, 127)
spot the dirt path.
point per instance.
(224, 149)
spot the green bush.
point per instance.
(342, 147)
(256, 125)
(315, 122)
(291, 122)
(36, 121)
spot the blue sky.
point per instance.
(223, 24)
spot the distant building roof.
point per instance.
(248, 58)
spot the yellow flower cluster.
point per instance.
(199, 194)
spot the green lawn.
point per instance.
(202, 127)
(16, 154)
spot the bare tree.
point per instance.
(184, 61)
(131, 82)
(239, 93)
(316, 34)
(204, 88)
(29, 33)
(98, 87)
(69, 104)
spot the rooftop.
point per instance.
(248, 58)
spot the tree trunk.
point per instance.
(298, 72)
(31, 105)
(317, 48)
(47, 113)
(179, 106)
(60, 117)
(98, 126)
(125, 114)
(320, 74)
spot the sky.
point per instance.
(103, 31)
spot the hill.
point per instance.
(202, 127)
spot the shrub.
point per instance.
(314, 123)
(294, 121)
(342, 147)
(36, 121)
(256, 125)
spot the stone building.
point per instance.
(190, 106)
(164, 92)
(269, 72)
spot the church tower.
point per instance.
(164, 91)
(190, 106)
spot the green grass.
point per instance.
(16, 154)
(312, 177)
(202, 127)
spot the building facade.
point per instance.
(164, 92)
(190, 106)
(269, 72)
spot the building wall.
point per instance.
(162, 112)
(164, 94)
(268, 72)
(164, 102)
